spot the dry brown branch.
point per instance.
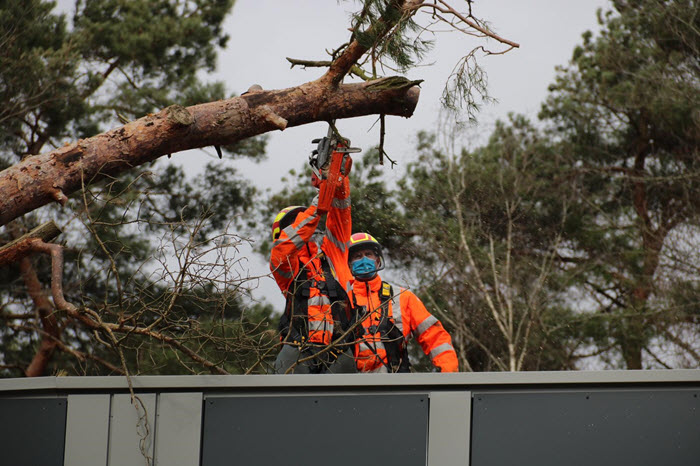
(92, 319)
(17, 249)
(51, 331)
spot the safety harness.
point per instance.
(293, 325)
(390, 334)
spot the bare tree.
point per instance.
(485, 248)
(180, 307)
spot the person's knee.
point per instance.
(345, 364)
(286, 359)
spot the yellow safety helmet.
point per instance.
(284, 218)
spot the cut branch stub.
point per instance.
(270, 116)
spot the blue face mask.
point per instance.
(364, 268)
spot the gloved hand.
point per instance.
(347, 165)
(340, 192)
(316, 181)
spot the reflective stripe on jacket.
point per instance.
(414, 320)
(298, 249)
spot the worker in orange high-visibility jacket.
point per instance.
(390, 316)
(310, 268)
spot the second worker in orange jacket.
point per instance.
(391, 316)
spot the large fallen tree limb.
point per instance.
(52, 176)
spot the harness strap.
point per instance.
(390, 335)
(339, 298)
(294, 321)
(394, 344)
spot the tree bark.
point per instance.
(52, 176)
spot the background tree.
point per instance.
(118, 61)
(487, 231)
(626, 115)
(623, 133)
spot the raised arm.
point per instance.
(338, 231)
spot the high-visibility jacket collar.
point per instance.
(359, 287)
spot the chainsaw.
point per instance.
(330, 161)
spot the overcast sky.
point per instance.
(264, 32)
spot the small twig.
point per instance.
(446, 8)
(382, 131)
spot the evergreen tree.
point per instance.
(625, 113)
(136, 244)
(486, 233)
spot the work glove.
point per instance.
(346, 166)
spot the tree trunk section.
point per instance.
(632, 345)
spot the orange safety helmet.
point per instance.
(284, 218)
(360, 241)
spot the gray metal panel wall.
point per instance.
(32, 431)
(87, 430)
(600, 427)
(450, 418)
(636, 403)
(178, 429)
(131, 431)
(316, 430)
